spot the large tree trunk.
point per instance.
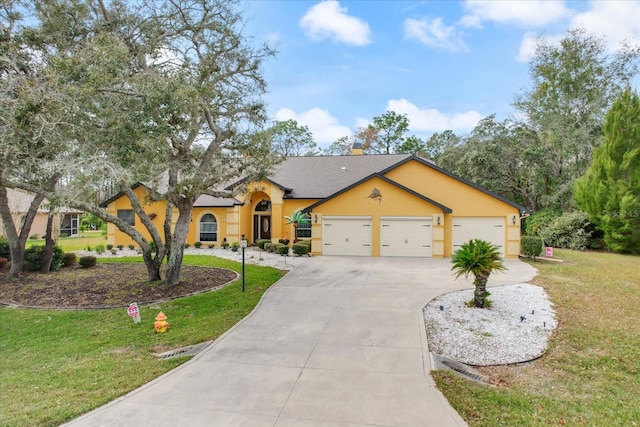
(480, 293)
(178, 239)
(47, 253)
(17, 241)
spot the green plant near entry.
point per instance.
(225, 245)
(235, 246)
(589, 375)
(105, 355)
(297, 218)
(480, 258)
(132, 247)
(300, 248)
(197, 245)
(69, 259)
(120, 247)
(261, 242)
(531, 246)
(100, 249)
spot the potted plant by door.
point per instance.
(235, 246)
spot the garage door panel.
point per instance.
(406, 237)
(346, 236)
(491, 229)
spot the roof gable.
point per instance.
(444, 208)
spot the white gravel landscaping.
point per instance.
(252, 255)
(515, 329)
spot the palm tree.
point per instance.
(479, 258)
(296, 218)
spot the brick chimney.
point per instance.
(357, 150)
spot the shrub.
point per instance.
(100, 249)
(282, 249)
(198, 245)
(88, 248)
(262, 242)
(69, 259)
(211, 246)
(539, 220)
(4, 248)
(531, 246)
(88, 261)
(186, 246)
(568, 231)
(33, 258)
(34, 237)
(225, 245)
(132, 247)
(284, 241)
(120, 247)
(109, 247)
(267, 246)
(300, 249)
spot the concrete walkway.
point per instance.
(339, 341)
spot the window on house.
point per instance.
(304, 230)
(208, 228)
(127, 215)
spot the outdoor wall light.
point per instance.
(513, 220)
(438, 220)
(315, 218)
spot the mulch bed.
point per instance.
(105, 285)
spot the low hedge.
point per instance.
(531, 246)
(88, 261)
(301, 248)
(262, 242)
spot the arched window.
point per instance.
(263, 206)
(208, 228)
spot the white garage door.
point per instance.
(406, 236)
(490, 229)
(346, 235)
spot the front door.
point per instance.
(262, 226)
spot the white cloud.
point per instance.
(434, 33)
(529, 42)
(362, 122)
(325, 128)
(531, 13)
(327, 20)
(617, 20)
(432, 120)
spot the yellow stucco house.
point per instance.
(363, 205)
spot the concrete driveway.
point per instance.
(339, 341)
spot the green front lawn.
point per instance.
(75, 243)
(590, 375)
(56, 365)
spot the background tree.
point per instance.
(389, 129)
(573, 85)
(610, 190)
(341, 146)
(291, 139)
(439, 142)
(413, 145)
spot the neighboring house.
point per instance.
(66, 221)
(366, 205)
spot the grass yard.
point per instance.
(58, 364)
(590, 375)
(75, 243)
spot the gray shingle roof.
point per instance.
(321, 176)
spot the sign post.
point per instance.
(133, 312)
(548, 252)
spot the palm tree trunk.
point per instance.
(480, 293)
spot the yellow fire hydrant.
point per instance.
(161, 323)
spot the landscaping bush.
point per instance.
(284, 241)
(88, 261)
(262, 242)
(211, 246)
(300, 249)
(539, 220)
(267, 246)
(281, 249)
(132, 247)
(197, 245)
(69, 259)
(34, 237)
(225, 245)
(33, 258)
(4, 248)
(120, 247)
(186, 246)
(568, 231)
(100, 249)
(531, 246)
(109, 247)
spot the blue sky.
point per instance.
(445, 64)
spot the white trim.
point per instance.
(406, 218)
(353, 218)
